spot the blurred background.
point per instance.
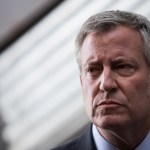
(41, 102)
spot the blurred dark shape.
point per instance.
(3, 143)
(17, 17)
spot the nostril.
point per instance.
(113, 90)
(111, 87)
(108, 90)
(108, 93)
(108, 87)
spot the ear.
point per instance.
(80, 79)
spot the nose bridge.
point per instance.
(107, 81)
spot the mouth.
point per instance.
(109, 104)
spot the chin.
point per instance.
(110, 122)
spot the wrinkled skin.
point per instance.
(115, 82)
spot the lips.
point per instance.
(109, 103)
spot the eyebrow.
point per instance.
(92, 64)
(121, 60)
(92, 59)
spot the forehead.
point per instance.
(121, 40)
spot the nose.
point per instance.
(107, 81)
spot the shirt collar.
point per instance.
(102, 144)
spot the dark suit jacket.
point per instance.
(83, 142)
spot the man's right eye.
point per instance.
(93, 70)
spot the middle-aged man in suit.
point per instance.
(113, 53)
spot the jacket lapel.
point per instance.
(86, 141)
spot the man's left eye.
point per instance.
(124, 66)
(125, 69)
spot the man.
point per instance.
(113, 53)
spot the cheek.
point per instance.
(134, 86)
(89, 89)
(87, 94)
(136, 92)
(140, 88)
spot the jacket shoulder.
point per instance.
(67, 146)
(83, 142)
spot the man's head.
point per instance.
(113, 52)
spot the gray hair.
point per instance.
(108, 20)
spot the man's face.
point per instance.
(115, 79)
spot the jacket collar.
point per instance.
(86, 141)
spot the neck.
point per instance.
(124, 139)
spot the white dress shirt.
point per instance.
(102, 144)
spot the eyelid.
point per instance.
(125, 65)
(123, 61)
(125, 69)
(93, 67)
(122, 64)
(93, 71)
